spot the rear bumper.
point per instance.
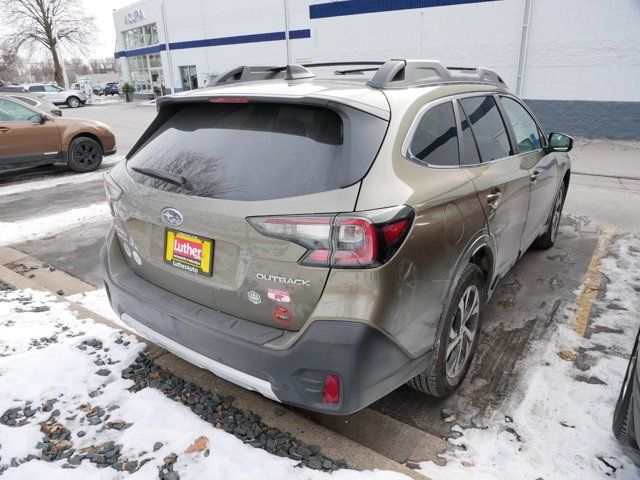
(110, 152)
(368, 363)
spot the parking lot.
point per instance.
(526, 321)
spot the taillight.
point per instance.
(362, 240)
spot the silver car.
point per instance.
(57, 95)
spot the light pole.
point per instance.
(286, 31)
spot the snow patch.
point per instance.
(562, 426)
(48, 353)
(57, 180)
(40, 227)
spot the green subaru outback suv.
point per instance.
(325, 238)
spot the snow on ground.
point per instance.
(561, 428)
(97, 301)
(67, 179)
(41, 227)
(99, 100)
(62, 375)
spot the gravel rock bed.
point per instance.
(221, 413)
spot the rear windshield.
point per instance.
(259, 151)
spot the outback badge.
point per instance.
(171, 216)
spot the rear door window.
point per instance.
(259, 151)
(487, 127)
(435, 141)
(36, 88)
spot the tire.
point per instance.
(623, 420)
(548, 238)
(449, 368)
(84, 155)
(73, 102)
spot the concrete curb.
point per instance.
(333, 444)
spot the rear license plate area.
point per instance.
(188, 252)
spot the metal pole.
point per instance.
(524, 41)
(286, 31)
(166, 44)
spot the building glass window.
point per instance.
(145, 70)
(146, 74)
(189, 77)
(140, 37)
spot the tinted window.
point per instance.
(52, 88)
(259, 151)
(470, 153)
(524, 127)
(36, 88)
(14, 112)
(487, 127)
(435, 141)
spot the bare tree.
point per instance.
(103, 65)
(47, 24)
(10, 66)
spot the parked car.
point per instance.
(12, 89)
(31, 137)
(626, 417)
(98, 90)
(326, 246)
(32, 100)
(57, 95)
(112, 88)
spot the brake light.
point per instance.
(362, 240)
(331, 389)
(229, 100)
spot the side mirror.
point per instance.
(38, 118)
(559, 142)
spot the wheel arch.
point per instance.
(480, 250)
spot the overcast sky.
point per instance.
(103, 11)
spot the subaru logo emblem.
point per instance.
(171, 216)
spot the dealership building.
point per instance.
(576, 62)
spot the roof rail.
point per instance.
(391, 74)
(406, 73)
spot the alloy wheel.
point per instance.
(557, 213)
(74, 102)
(85, 154)
(463, 331)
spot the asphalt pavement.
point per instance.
(604, 197)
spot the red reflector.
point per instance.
(392, 231)
(229, 100)
(331, 390)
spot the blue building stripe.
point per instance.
(216, 42)
(141, 51)
(357, 7)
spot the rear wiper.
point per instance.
(158, 174)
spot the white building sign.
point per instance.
(134, 16)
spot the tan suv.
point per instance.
(323, 239)
(31, 137)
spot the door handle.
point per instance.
(534, 176)
(494, 197)
(5, 129)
